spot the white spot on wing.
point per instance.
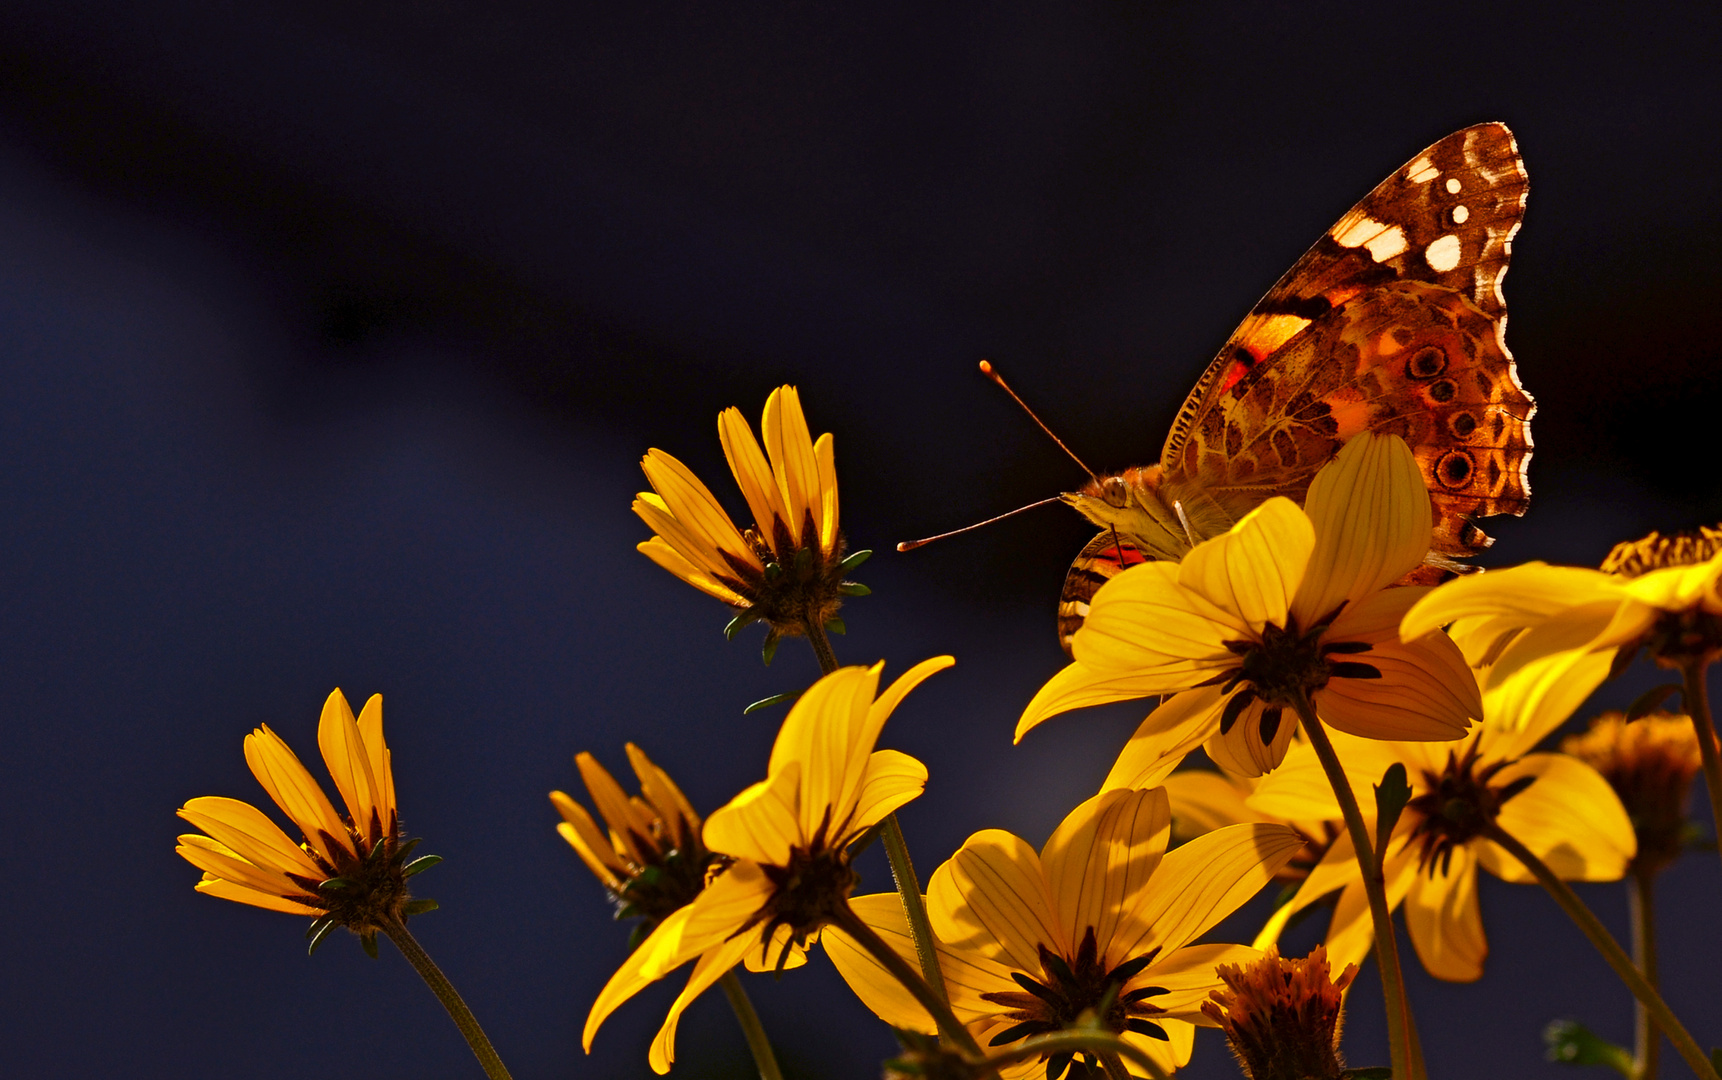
(1422, 171)
(1453, 185)
(1388, 244)
(1360, 230)
(1443, 253)
(1461, 215)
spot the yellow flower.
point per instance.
(1281, 1017)
(651, 858)
(1289, 602)
(1554, 804)
(788, 567)
(1205, 799)
(351, 869)
(1661, 592)
(1649, 763)
(1031, 943)
(789, 837)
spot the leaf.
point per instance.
(854, 588)
(769, 649)
(1571, 1043)
(775, 699)
(834, 625)
(420, 865)
(319, 930)
(749, 616)
(1651, 700)
(1391, 795)
(420, 906)
(855, 559)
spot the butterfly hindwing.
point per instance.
(1101, 560)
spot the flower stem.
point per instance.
(751, 1027)
(1647, 1041)
(1406, 1062)
(847, 921)
(1698, 708)
(445, 993)
(821, 646)
(914, 905)
(1610, 950)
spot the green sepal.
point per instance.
(834, 625)
(1391, 795)
(403, 850)
(773, 571)
(1651, 700)
(369, 941)
(336, 884)
(854, 559)
(420, 865)
(1571, 1043)
(769, 649)
(420, 906)
(854, 588)
(775, 699)
(319, 930)
(746, 618)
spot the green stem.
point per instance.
(847, 921)
(1406, 1062)
(1647, 1041)
(1115, 1069)
(751, 1027)
(1103, 1043)
(821, 646)
(914, 905)
(445, 993)
(1611, 951)
(1698, 708)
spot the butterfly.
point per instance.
(1394, 322)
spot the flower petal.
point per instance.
(294, 790)
(790, 445)
(991, 898)
(1539, 697)
(752, 473)
(1570, 819)
(213, 857)
(227, 890)
(1180, 724)
(1254, 570)
(1188, 975)
(1445, 922)
(1242, 749)
(1077, 687)
(712, 966)
(1202, 882)
(666, 799)
(693, 507)
(660, 552)
(250, 834)
(1098, 862)
(1424, 693)
(377, 752)
(877, 713)
(588, 841)
(349, 766)
(827, 511)
(1529, 594)
(1203, 800)
(1147, 619)
(1371, 513)
(893, 779)
(761, 823)
(630, 827)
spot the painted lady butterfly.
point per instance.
(1394, 322)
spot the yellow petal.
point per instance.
(1582, 628)
(667, 557)
(824, 455)
(1570, 819)
(1241, 748)
(626, 823)
(1202, 882)
(223, 862)
(991, 898)
(1528, 594)
(1371, 514)
(761, 823)
(711, 967)
(349, 766)
(227, 890)
(790, 445)
(1254, 570)
(1147, 619)
(893, 779)
(692, 505)
(1538, 698)
(826, 733)
(752, 473)
(1077, 687)
(712, 919)
(1445, 922)
(1203, 800)
(291, 786)
(1181, 724)
(1676, 588)
(588, 841)
(764, 958)
(697, 549)
(1098, 862)
(1170, 1054)
(249, 832)
(1425, 693)
(878, 712)
(1188, 975)
(377, 752)
(666, 799)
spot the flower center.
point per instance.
(1656, 552)
(1283, 666)
(806, 893)
(1459, 805)
(1068, 989)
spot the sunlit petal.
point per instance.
(1181, 724)
(1254, 570)
(991, 898)
(1203, 800)
(1145, 619)
(893, 778)
(228, 890)
(761, 823)
(1098, 861)
(1445, 921)
(1371, 512)
(1529, 593)
(712, 966)
(1570, 819)
(1078, 687)
(1202, 882)
(752, 472)
(670, 559)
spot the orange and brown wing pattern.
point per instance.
(1446, 218)
(1409, 359)
(1100, 561)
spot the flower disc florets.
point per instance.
(1283, 666)
(1282, 1017)
(1681, 634)
(1633, 558)
(1074, 988)
(1458, 805)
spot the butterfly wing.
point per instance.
(1101, 560)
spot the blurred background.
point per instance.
(332, 335)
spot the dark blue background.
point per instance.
(331, 338)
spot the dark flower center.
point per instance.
(1283, 667)
(1070, 989)
(806, 893)
(1458, 805)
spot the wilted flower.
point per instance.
(1282, 1017)
(1650, 764)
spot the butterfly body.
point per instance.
(1393, 322)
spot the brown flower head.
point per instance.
(1650, 764)
(1282, 1017)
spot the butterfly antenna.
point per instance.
(911, 545)
(987, 370)
(1178, 508)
